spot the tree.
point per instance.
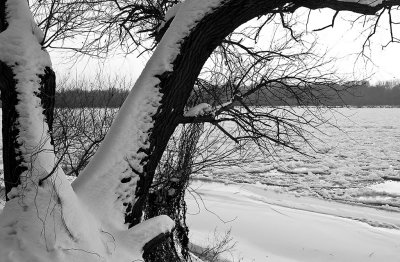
(13, 166)
(44, 203)
(122, 173)
(102, 25)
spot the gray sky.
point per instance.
(343, 41)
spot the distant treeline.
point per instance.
(381, 94)
(359, 94)
(351, 94)
(74, 98)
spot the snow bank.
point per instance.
(391, 187)
(268, 226)
(53, 225)
(50, 223)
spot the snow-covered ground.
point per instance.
(297, 222)
(266, 225)
(271, 226)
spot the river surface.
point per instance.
(356, 159)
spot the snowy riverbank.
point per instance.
(271, 226)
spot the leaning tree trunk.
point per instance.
(176, 85)
(12, 160)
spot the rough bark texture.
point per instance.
(167, 195)
(12, 160)
(160, 249)
(3, 22)
(11, 154)
(47, 97)
(12, 166)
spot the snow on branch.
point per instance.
(171, 13)
(199, 110)
(364, 2)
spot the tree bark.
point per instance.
(12, 160)
(47, 97)
(11, 156)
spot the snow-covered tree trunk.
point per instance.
(176, 85)
(44, 219)
(47, 219)
(12, 158)
(194, 50)
(11, 154)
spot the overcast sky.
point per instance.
(344, 41)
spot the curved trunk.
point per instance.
(177, 85)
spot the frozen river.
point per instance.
(355, 161)
(358, 161)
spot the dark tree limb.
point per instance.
(330, 25)
(47, 97)
(12, 159)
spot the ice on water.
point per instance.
(358, 151)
